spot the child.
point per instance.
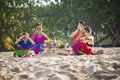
(88, 39)
(25, 42)
(39, 37)
(88, 43)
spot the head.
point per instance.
(88, 30)
(38, 28)
(80, 25)
(25, 38)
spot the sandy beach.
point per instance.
(51, 66)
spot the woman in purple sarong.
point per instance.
(39, 38)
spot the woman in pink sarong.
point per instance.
(39, 38)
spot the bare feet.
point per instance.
(98, 52)
(80, 52)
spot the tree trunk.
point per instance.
(113, 36)
(97, 43)
(96, 38)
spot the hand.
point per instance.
(43, 33)
(21, 36)
(82, 39)
(83, 29)
(26, 34)
(80, 28)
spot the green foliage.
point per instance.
(8, 42)
(58, 18)
(60, 44)
(48, 41)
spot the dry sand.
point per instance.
(51, 66)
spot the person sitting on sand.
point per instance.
(79, 35)
(39, 37)
(25, 42)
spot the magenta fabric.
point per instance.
(76, 46)
(38, 40)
